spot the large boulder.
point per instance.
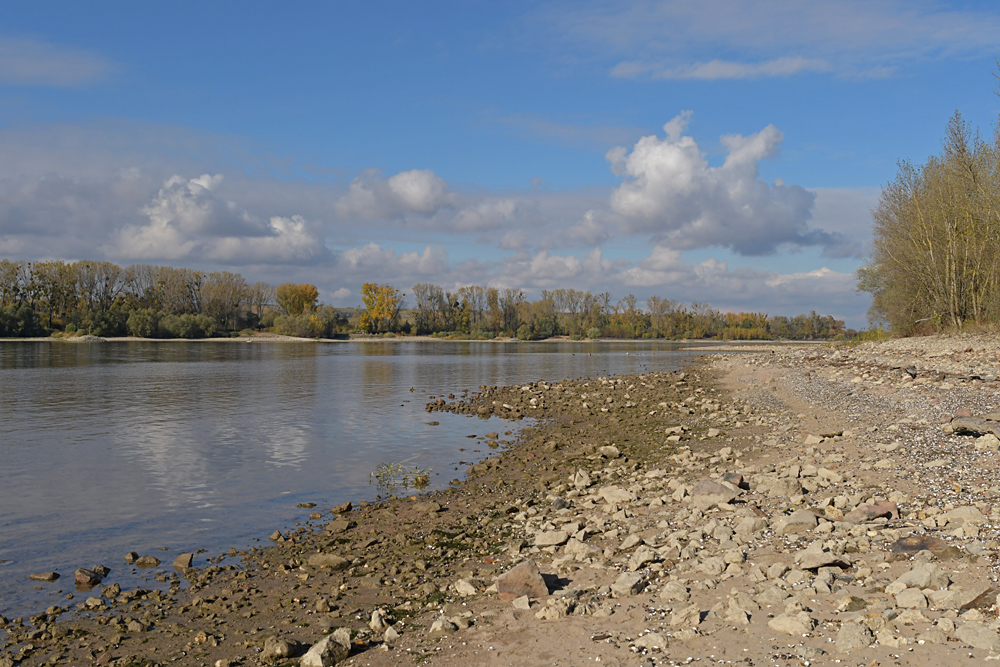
(523, 579)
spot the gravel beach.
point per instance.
(788, 505)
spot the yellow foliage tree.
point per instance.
(382, 306)
(296, 299)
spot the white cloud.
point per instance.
(341, 293)
(373, 262)
(722, 69)
(370, 196)
(187, 220)
(671, 192)
(724, 39)
(29, 62)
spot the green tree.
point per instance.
(296, 299)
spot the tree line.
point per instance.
(934, 262)
(104, 299)
(487, 312)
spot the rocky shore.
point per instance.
(784, 506)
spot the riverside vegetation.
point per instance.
(104, 299)
(789, 506)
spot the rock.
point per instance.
(554, 538)
(442, 625)
(869, 512)
(391, 635)
(798, 521)
(652, 640)
(911, 598)
(147, 562)
(377, 622)
(795, 624)
(925, 575)
(917, 543)
(615, 494)
(974, 426)
(708, 493)
(131, 557)
(338, 526)
(977, 635)
(522, 602)
(609, 451)
(276, 648)
(686, 617)
(332, 561)
(784, 487)
(523, 579)
(628, 583)
(854, 636)
(815, 558)
(325, 653)
(963, 515)
(581, 480)
(428, 507)
(642, 555)
(184, 561)
(466, 587)
(674, 591)
(751, 525)
(343, 508)
(44, 576)
(85, 577)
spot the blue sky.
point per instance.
(716, 151)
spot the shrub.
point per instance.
(593, 332)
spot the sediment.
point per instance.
(805, 505)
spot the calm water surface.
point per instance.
(114, 447)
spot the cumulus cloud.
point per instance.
(671, 192)
(370, 196)
(375, 261)
(30, 62)
(187, 220)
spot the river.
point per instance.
(163, 448)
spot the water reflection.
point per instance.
(121, 446)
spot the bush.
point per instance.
(525, 332)
(144, 323)
(20, 322)
(70, 328)
(186, 326)
(593, 332)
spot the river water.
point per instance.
(164, 448)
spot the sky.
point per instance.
(715, 151)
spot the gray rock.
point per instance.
(977, 635)
(628, 583)
(784, 487)
(925, 575)
(44, 576)
(523, 579)
(813, 559)
(442, 625)
(798, 521)
(911, 598)
(276, 648)
(854, 636)
(184, 561)
(641, 556)
(554, 538)
(709, 493)
(581, 479)
(325, 653)
(147, 562)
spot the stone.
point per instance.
(868, 512)
(854, 636)
(652, 640)
(628, 583)
(523, 579)
(553, 538)
(911, 598)
(276, 648)
(615, 494)
(343, 508)
(85, 577)
(925, 575)
(325, 653)
(131, 557)
(332, 561)
(147, 562)
(815, 558)
(338, 526)
(798, 521)
(642, 555)
(44, 576)
(609, 452)
(391, 635)
(466, 587)
(184, 561)
(917, 543)
(794, 624)
(751, 525)
(442, 625)
(784, 487)
(962, 515)
(674, 591)
(708, 493)
(977, 635)
(581, 480)
(686, 617)
(378, 622)
(522, 602)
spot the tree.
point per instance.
(296, 299)
(382, 306)
(223, 294)
(261, 295)
(936, 230)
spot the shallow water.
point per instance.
(114, 447)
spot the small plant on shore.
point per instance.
(389, 477)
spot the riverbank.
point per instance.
(787, 505)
